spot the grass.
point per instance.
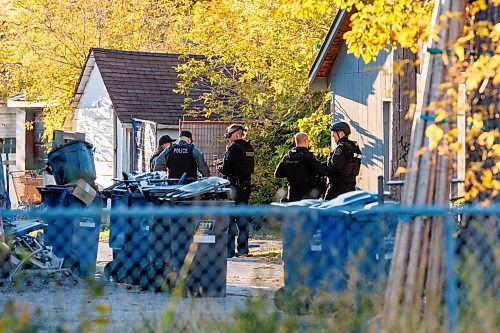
(268, 255)
(104, 236)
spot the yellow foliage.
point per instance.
(267, 49)
(317, 126)
(400, 171)
(378, 24)
(487, 139)
(435, 134)
(421, 151)
(44, 43)
(103, 308)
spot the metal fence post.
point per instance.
(450, 296)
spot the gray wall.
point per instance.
(359, 92)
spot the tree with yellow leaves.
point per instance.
(257, 65)
(257, 57)
(44, 43)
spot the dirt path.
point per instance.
(64, 299)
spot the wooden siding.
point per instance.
(7, 122)
(358, 94)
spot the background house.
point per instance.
(364, 95)
(22, 147)
(361, 96)
(115, 87)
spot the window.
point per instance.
(8, 146)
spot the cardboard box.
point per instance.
(84, 192)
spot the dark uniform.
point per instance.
(238, 166)
(163, 140)
(182, 158)
(302, 170)
(342, 168)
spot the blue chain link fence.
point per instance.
(332, 251)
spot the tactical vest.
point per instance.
(297, 171)
(180, 160)
(245, 167)
(353, 165)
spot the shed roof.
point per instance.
(139, 84)
(318, 76)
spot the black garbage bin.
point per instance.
(128, 239)
(199, 245)
(190, 252)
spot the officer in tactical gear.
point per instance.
(182, 157)
(301, 169)
(164, 142)
(343, 163)
(238, 166)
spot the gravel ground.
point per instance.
(59, 297)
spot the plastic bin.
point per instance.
(172, 239)
(128, 239)
(344, 239)
(118, 224)
(207, 238)
(301, 248)
(371, 241)
(74, 239)
(72, 161)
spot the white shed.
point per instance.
(115, 87)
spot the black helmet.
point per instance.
(341, 126)
(233, 128)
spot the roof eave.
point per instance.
(325, 47)
(84, 78)
(319, 84)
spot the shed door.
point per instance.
(35, 145)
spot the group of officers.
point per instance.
(302, 169)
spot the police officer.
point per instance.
(183, 157)
(301, 169)
(343, 163)
(238, 166)
(164, 142)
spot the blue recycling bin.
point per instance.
(74, 239)
(336, 229)
(355, 240)
(72, 161)
(301, 247)
(371, 241)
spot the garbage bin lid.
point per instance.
(208, 185)
(351, 199)
(68, 144)
(301, 203)
(204, 184)
(363, 210)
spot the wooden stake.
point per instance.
(417, 258)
